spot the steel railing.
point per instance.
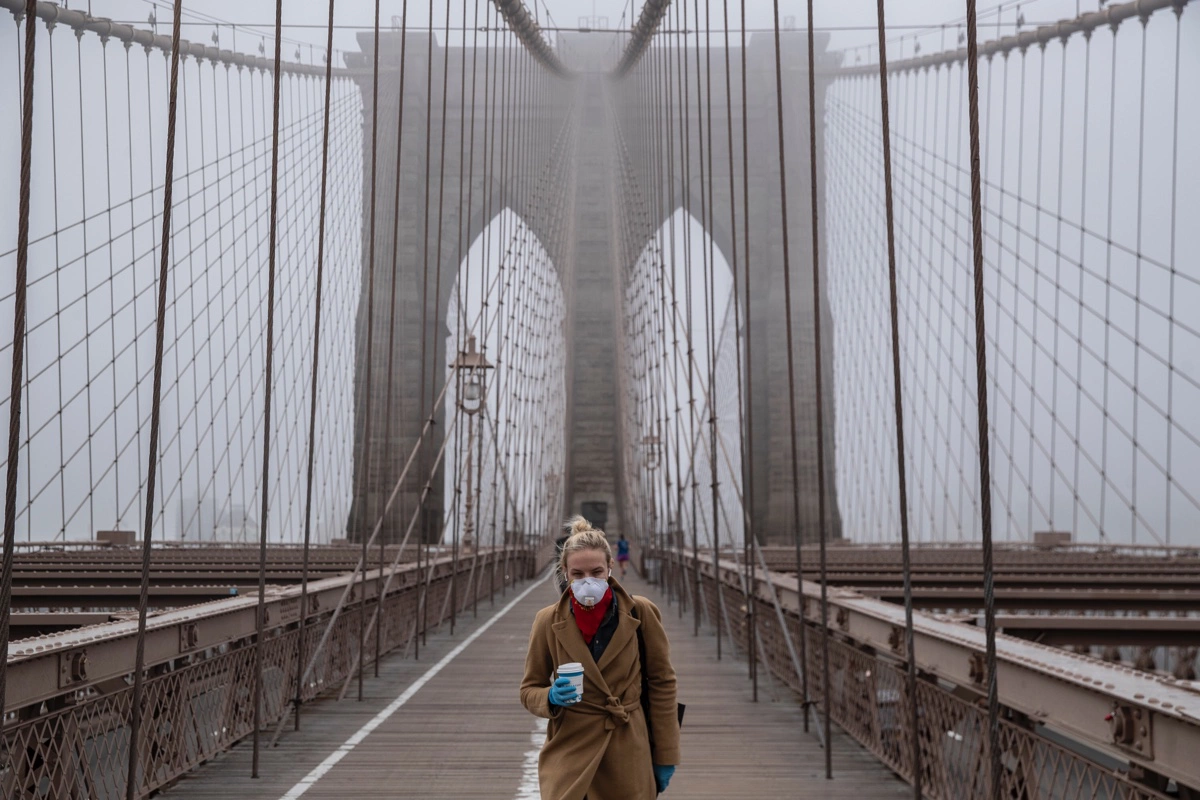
(1072, 727)
(66, 724)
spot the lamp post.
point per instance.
(471, 369)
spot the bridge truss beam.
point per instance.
(1123, 731)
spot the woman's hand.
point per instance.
(662, 776)
(562, 692)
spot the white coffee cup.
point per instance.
(574, 672)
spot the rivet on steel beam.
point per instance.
(79, 666)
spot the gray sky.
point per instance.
(1034, 489)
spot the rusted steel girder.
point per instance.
(1046, 598)
(1006, 555)
(1060, 579)
(36, 666)
(1083, 699)
(652, 14)
(522, 23)
(1067, 630)
(120, 597)
(69, 698)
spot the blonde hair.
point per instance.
(582, 536)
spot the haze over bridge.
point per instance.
(311, 357)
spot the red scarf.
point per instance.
(589, 619)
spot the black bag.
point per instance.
(679, 707)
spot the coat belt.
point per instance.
(617, 713)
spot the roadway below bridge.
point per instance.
(451, 726)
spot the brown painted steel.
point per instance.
(72, 700)
(1067, 717)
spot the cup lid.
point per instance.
(572, 666)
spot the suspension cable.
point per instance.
(268, 384)
(901, 451)
(817, 311)
(139, 679)
(18, 356)
(995, 767)
(389, 404)
(312, 418)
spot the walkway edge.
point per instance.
(318, 772)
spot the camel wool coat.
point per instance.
(599, 747)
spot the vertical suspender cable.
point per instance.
(18, 357)
(485, 206)
(1174, 271)
(750, 540)
(817, 383)
(423, 472)
(266, 492)
(391, 351)
(500, 101)
(135, 720)
(465, 221)
(791, 349)
(312, 411)
(662, 160)
(985, 478)
(712, 335)
(438, 369)
(685, 582)
(676, 523)
(743, 431)
(685, 135)
(365, 481)
(901, 464)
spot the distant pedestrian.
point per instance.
(623, 553)
(611, 742)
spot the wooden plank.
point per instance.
(464, 733)
(736, 748)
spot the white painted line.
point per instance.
(530, 788)
(318, 772)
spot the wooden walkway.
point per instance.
(462, 733)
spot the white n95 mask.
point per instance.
(589, 591)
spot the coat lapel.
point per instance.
(626, 630)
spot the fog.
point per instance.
(1092, 279)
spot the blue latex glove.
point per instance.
(662, 776)
(562, 692)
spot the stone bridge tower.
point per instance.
(586, 258)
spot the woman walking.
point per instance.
(612, 743)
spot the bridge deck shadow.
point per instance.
(463, 734)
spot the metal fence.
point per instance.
(199, 702)
(867, 697)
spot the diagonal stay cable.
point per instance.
(317, 651)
